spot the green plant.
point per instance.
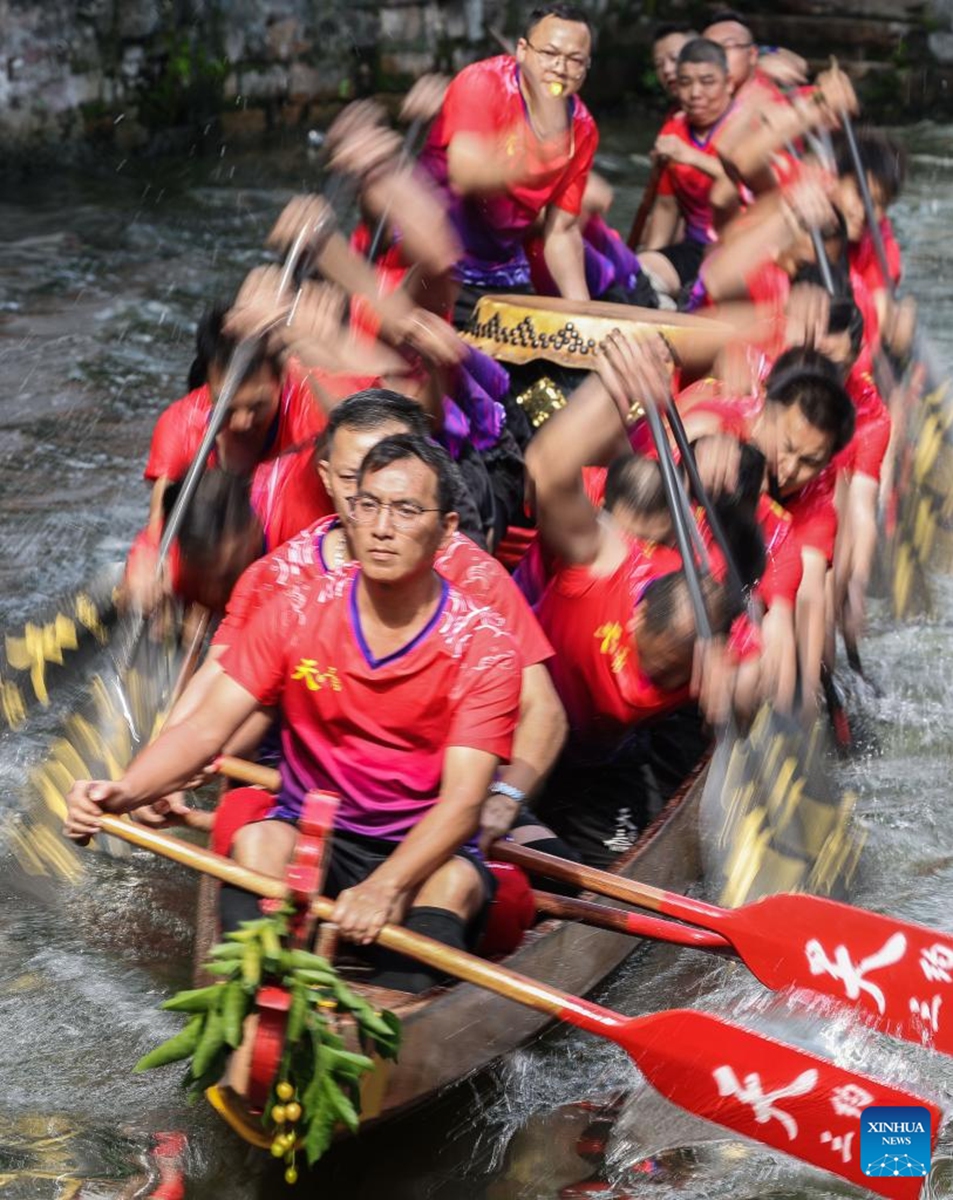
(318, 1080)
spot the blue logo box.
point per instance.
(895, 1140)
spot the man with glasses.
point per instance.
(396, 691)
(729, 30)
(754, 91)
(513, 139)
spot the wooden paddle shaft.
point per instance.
(648, 199)
(243, 771)
(630, 891)
(633, 924)
(442, 958)
(642, 895)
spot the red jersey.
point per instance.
(864, 260)
(180, 428)
(814, 515)
(292, 568)
(865, 452)
(596, 669)
(288, 495)
(690, 186)
(376, 730)
(784, 566)
(485, 99)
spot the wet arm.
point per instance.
(811, 623)
(181, 751)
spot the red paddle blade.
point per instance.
(898, 975)
(784, 1097)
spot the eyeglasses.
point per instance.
(736, 45)
(405, 514)
(576, 64)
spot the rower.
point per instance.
(272, 410)
(354, 428)
(667, 43)
(395, 689)
(220, 536)
(800, 420)
(693, 171)
(617, 613)
(885, 166)
(513, 138)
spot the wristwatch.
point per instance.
(499, 788)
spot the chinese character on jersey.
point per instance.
(314, 678)
(611, 643)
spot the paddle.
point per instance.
(769, 941)
(635, 924)
(683, 521)
(801, 941)
(568, 908)
(753, 1085)
(80, 622)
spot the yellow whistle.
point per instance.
(555, 89)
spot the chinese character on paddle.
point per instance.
(851, 974)
(762, 1103)
(611, 643)
(314, 678)
(936, 962)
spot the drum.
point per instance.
(523, 330)
(519, 329)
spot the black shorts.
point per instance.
(354, 857)
(686, 257)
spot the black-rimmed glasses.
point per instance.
(576, 64)
(366, 509)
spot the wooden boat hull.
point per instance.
(451, 1033)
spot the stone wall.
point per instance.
(127, 72)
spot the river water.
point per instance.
(102, 277)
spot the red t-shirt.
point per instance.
(814, 515)
(288, 495)
(784, 566)
(864, 260)
(690, 186)
(865, 452)
(291, 569)
(180, 428)
(376, 730)
(485, 99)
(595, 668)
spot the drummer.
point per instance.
(616, 611)
(513, 138)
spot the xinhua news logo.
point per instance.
(895, 1140)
